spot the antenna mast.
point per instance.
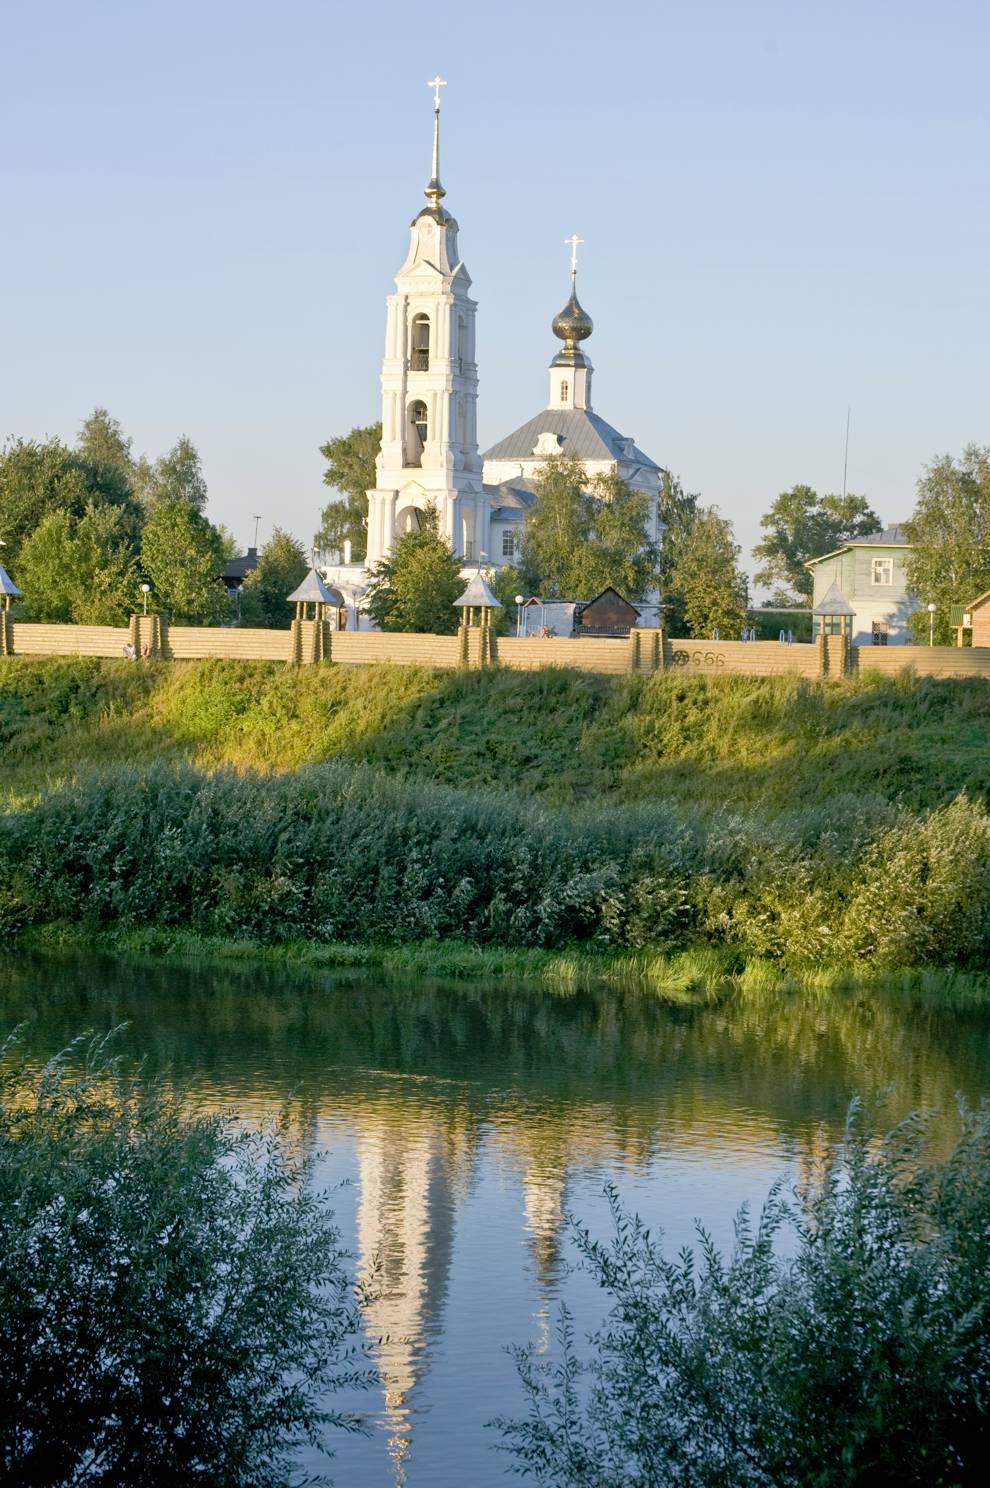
(845, 462)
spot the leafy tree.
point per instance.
(351, 471)
(949, 563)
(557, 526)
(174, 476)
(174, 1302)
(580, 536)
(36, 479)
(621, 552)
(706, 587)
(281, 568)
(505, 583)
(802, 525)
(845, 1340)
(183, 556)
(103, 447)
(415, 587)
(84, 571)
(678, 510)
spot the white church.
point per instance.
(429, 451)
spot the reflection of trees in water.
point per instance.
(626, 1062)
(421, 1074)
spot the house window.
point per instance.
(883, 571)
(881, 630)
(508, 544)
(565, 391)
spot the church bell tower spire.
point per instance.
(429, 454)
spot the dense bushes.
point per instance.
(174, 1302)
(335, 852)
(845, 1341)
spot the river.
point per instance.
(461, 1124)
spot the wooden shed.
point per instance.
(608, 614)
(975, 618)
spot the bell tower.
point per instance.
(429, 451)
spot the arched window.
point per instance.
(418, 430)
(461, 423)
(461, 343)
(421, 343)
(565, 391)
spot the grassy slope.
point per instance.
(762, 744)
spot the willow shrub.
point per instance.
(861, 1355)
(174, 1306)
(338, 853)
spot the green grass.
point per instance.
(751, 743)
(480, 821)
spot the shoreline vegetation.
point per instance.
(679, 833)
(705, 976)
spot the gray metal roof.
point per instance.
(834, 603)
(313, 589)
(892, 536)
(478, 593)
(511, 500)
(7, 585)
(581, 432)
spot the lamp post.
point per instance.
(145, 590)
(931, 624)
(519, 605)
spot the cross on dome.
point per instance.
(436, 84)
(572, 243)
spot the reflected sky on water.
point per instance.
(459, 1126)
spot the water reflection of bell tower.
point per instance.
(411, 1177)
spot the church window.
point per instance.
(565, 390)
(508, 543)
(461, 423)
(421, 343)
(418, 419)
(461, 343)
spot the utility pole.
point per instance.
(845, 462)
(256, 521)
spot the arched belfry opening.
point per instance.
(417, 432)
(420, 360)
(462, 355)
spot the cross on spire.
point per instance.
(572, 243)
(435, 191)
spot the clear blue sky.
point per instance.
(785, 209)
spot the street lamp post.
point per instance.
(145, 590)
(931, 624)
(519, 605)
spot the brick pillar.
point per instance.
(6, 633)
(634, 649)
(296, 647)
(837, 662)
(464, 645)
(659, 655)
(146, 631)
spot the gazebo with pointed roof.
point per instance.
(479, 598)
(313, 591)
(8, 589)
(835, 613)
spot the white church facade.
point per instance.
(429, 452)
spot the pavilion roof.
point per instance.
(478, 595)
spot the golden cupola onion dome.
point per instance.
(572, 325)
